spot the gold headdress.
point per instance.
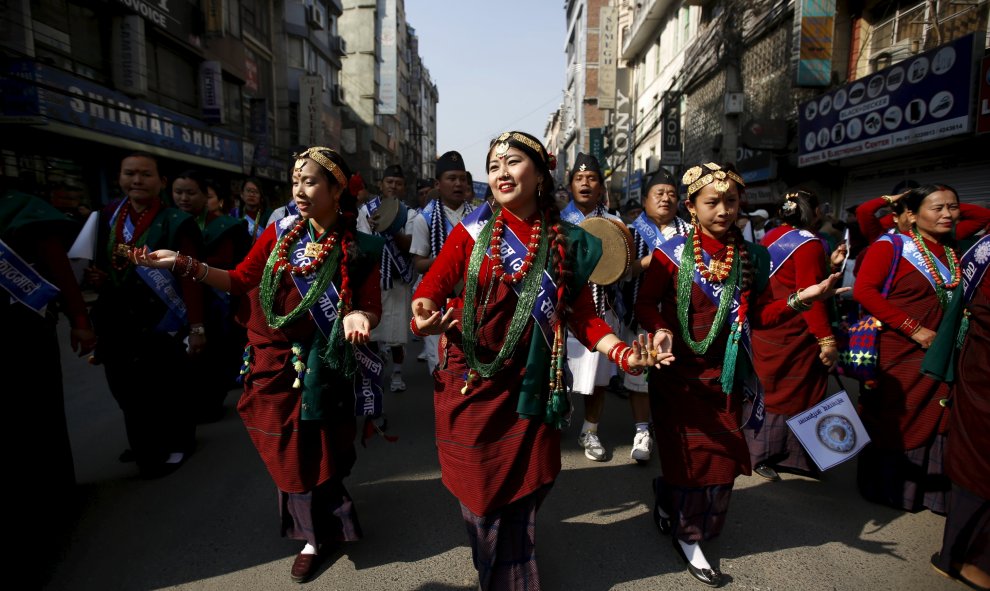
(502, 146)
(316, 155)
(697, 177)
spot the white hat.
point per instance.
(759, 213)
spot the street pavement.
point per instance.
(213, 524)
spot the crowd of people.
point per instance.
(720, 328)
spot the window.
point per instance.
(294, 52)
(254, 20)
(232, 17)
(233, 105)
(171, 78)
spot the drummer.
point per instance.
(389, 218)
(590, 369)
(434, 223)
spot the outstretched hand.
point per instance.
(663, 346)
(159, 259)
(433, 322)
(823, 290)
(357, 328)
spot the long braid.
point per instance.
(346, 302)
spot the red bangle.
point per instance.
(910, 326)
(415, 330)
(613, 355)
(624, 365)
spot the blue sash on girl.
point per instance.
(161, 282)
(367, 386)
(974, 264)
(784, 246)
(751, 385)
(513, 252)
(22, 282)
(911, 254)
(393, 259)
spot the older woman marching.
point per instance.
(499, 396)
(312, 281)
(698, 296)
(906, 414)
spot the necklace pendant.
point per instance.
(313, 250)
(122, 250)
(467, 382)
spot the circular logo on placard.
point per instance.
(839, 100)
(825, 105)
(894, 78)
(838, 133)
(941, 104)
(856, 93)
(811, 110)
(892, 117)
(918, 70)
(836, 433)
(875, 86)
(872, 123)
(823, 137)
(944, 60)
(854, 128)
(915, 111)
(809, 141)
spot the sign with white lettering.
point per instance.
(310, 108)
(608, 43)
(671, 153)
(814, 24)
(60, 96)
(830, 431)
(388, 86)
(130, 62)
(211, 91)
(175, 16)
(919, 99)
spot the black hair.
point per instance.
(912, 201)
(196, 177)
(348, 202)
(540, 157)
(904, 185)
(798, 208)
(143, 154)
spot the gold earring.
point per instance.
(694, 218)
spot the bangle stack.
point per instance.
(888, 199)
(827, 342)
(619, 354)
(794, 301)
(206, 271)
(415, 329)
(186, 267)
(910, 326)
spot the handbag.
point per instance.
(859, 358)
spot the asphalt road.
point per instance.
(213, 524)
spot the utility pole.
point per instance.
(732, 34)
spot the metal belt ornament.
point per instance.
(911, 254)
(368, 382)
(784, 246)
(513, 251)
(392, 257)
(23, 283)
(751, 385)
(161, 281)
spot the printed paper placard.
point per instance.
(830, 431)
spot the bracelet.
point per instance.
(910, 326)
(415, 329)
(206, 272)
(197, 330)
(175, 260)
(666, 330)
(611, 352)
(888, 199)
(827, 342)
(795, 303)
(624, 363)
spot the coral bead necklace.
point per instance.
(498, 270)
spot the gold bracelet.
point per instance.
(888, 199)
(827, 342)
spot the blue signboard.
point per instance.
(922, 98)
(55, 95)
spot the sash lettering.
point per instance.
(911, 254)
(974, 264)
(22, 282)
(784, 246)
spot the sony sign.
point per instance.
(622, 119)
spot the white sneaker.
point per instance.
(593, 449)
(642, 446)
(397, 384)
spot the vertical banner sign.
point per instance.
(130, 62)
(258, 130)
(211, 91)
(814, 23)
(922, 98)
(983, 109)
(607, 49)
(213, 9)
(596, 146)
(622, 121)
(671, 151)
(310, 107)
(388, 88)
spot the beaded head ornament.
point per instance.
(316, 155)
(697, 177)
(501, 144)
(790, 203)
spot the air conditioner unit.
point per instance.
(341, 45)
(316, 17)
(337, 94)
(892, 54)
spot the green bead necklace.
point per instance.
(685, 277)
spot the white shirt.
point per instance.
(420, 229)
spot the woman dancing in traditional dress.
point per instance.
(500, 396)
(906, 414)
(702, 317)
(793, 358)
(312, 281)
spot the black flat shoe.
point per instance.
(664, 526)
(709, 576)
(767, 472)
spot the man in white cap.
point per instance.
(758, 218)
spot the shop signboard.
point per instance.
(64, 98)
(922, 98)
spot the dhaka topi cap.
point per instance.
(394, 170)
(449, 161)
(585, 163)
(660, 177)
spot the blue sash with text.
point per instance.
(161, 282)
(392, 257)
(368, 382)
(513, 252)
(784, 246)
(974, 264)
(911, 254)
(22, 282)
(751, 385)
